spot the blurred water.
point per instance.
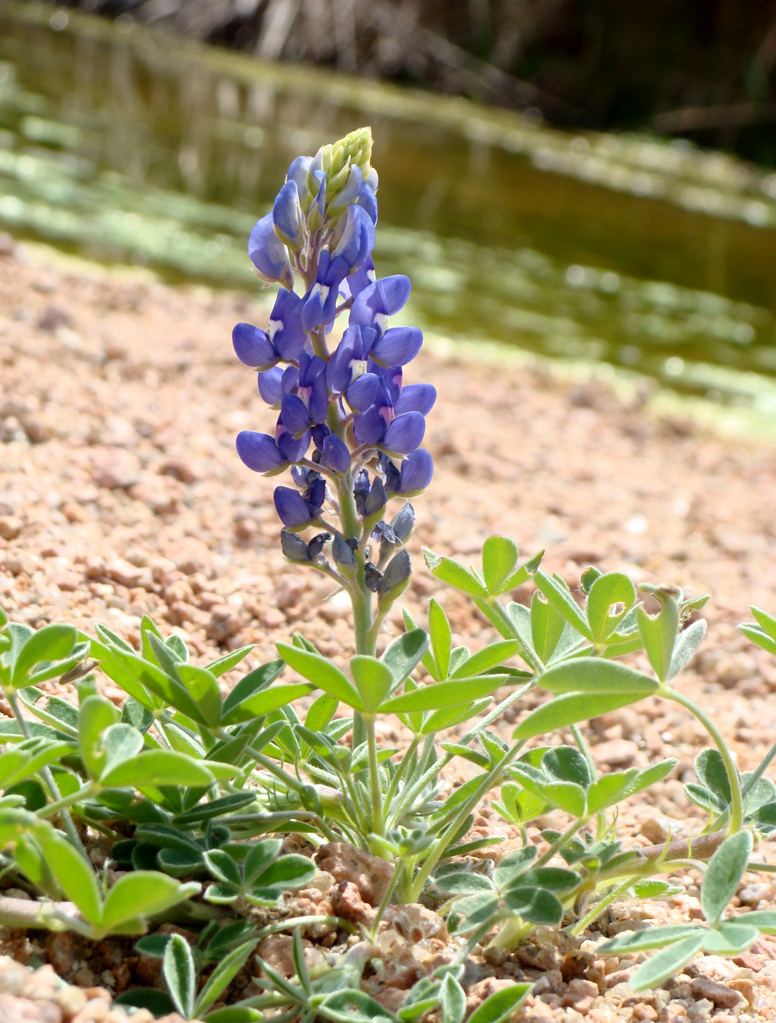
(126, 146)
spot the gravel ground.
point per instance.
(121, 494)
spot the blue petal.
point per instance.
(416, 398)
(361, 393)
(291, 508)
(285, 324)
(298, 172)
(417, 471)
(287, 215)
(310, 368)
(367, 201)
(312, 308)
(358, 238)
(352, 188)
(294, 414)
(397, 347)
(259, 451)
(293, 449)
(369, 427)
(271, 385)
(362, 278)
(319, 400)
(252, 346)
(379, 301)
(335, 454)
(338, 373)
(315, 495)
(404, 434)
(268, 254)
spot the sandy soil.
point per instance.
(121, 494)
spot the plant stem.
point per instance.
(48, 777)
(734, 779)
(490, 780)
(378, 826)
(600, 906)
(401, 768)
(559, 842)
(62, 804)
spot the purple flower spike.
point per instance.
(416, 398)
(404, 434)
(260, 452)
(335, 454)
(380, 300)
(285, 325)
(397, 347)
(417, 471)
(271, 385)
(253, 347)
(287, 215)
(292, 508)
(268, 254)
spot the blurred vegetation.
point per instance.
(698, 68)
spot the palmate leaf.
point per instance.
(485, 659)
(445, 694)
(441, 637)
(666, 963)
(610, 598)
(322, 673)
(454, 574)
(500, 1006)
(595, 675)
(143, 893)
(570, 708)
(404, 654)
(51, 643)
(724, 873)
(499, 557)
(180, 975)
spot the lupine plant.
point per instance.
(191, 791)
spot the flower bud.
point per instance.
(396, 576)
(342, 553)
(403, 522)
(293, 546)
(373, 578)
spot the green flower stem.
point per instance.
(90, 789)
(378, 826)
(579, 739)
(600, 906)
(385, 900)
(559, 842)
(491, 779)
(284, 817)
(48, 777)
(269, 765)
(401, 768)
(750, 783)
(436, 769)
(734, 779)
(512, 933)
(528, 655)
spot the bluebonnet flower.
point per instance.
(285, 340)
(297, 511)
(344, 411)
